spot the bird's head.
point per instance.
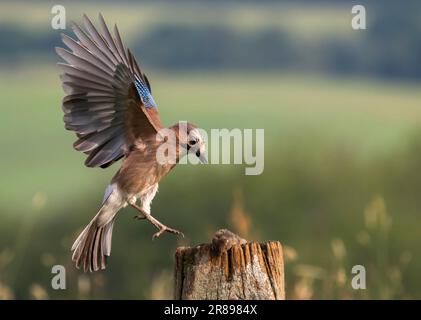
(196, 145)
(192, 141)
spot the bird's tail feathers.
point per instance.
(93, 245)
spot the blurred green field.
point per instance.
(295, 111)
(331, 145)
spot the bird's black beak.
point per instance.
(201, 157)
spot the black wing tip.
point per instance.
(89, 164)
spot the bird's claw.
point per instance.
(159, 225)
(162, 229)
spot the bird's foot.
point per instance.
(159, 225)
(163, 228)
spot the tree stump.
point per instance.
(230, 269)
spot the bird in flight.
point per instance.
(109, 105)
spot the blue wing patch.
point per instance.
(144, 94)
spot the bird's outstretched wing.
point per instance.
(109, 103)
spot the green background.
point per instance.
(341, 184)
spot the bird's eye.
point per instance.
(192, 142)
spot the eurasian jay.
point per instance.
(110, 108)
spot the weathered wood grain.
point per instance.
(230, 269)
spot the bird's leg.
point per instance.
(159, 225)
(141, 215)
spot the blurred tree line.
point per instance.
(389, 48)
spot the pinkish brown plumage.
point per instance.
(110, 108)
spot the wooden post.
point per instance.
(229, 269)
